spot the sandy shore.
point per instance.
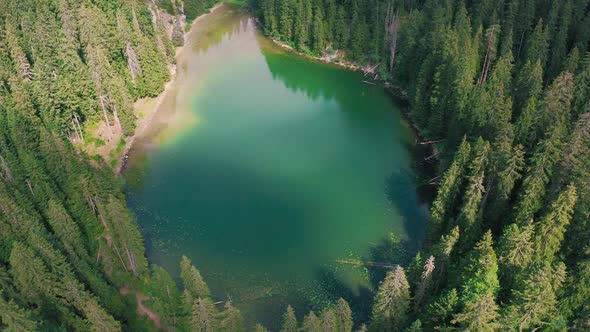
(145, 123)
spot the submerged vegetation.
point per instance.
(501, 87)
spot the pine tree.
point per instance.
(260, 328)
(555, 107)
(392, 302)
(194, 285)
(318, 32)
(300, 25)
(535, 301)
(516, 252)
(538, 44)
(14, 318)
(285, 19)
(528, 84)
(532, 193)
(442, 252)
(343, 316)
(468, 219)
(480, 315)
(232, 320)
(203, 316)
(440, 311)
(311, 323)
(551, 228)
(329, 321)
(581, 102)
(269, 10)
(480, 273)
(340, 29)
(289, 321)
(479, 285)
(448, 189)
(559, 41)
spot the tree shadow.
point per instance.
(360, 300)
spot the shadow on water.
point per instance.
(360, 300)
(407, 195)
(337, 85)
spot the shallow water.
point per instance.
(268, 170)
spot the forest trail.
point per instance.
(141, 308)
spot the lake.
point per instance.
(276, 175)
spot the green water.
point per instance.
(265, 169)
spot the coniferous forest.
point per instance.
(500, 89)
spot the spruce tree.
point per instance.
(448, 189)
(14, 318)
(194, 285)
(289, 321)
(311, 323)
(343, 315)
(231, 320)
(535, 300)
(202, 316)
(551, 228)
(392, 301)
(479, 275)
(329, 321)
(480, 315)
(469, 216)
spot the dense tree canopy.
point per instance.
(502, 88)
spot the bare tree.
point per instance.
(490, 55)
(391, 29)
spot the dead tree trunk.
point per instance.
(487, 63)
(30, 186)
(6, 169)
(131, 259)
(77, 127)
(105, 113)
(391, 29)
(112, 242)
(132, 62)
(117, 121)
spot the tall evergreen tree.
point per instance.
(289, 321)
(392, 302)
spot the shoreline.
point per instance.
(130, 141)
(394, 90)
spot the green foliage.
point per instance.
(392, 302)
(515, 73)
(311, 323)
(289, 321)
(194, 8)
(231, 320)
(203, 316)
(194, 285)
(449, 189)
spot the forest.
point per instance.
(499, 88)
(502, 88)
